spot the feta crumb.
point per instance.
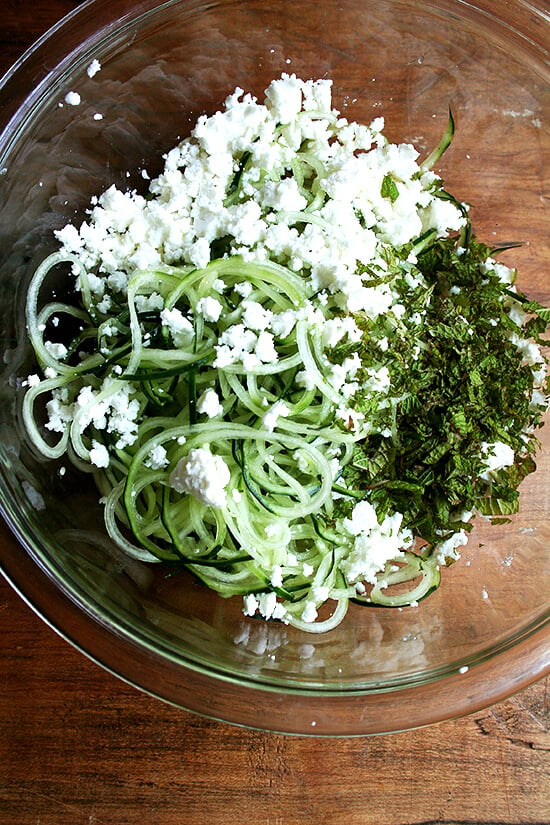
(497, 456)
(181, 329)
(284, 98)
(209, 404)
(157, 458)
(93, 68)
(448, 549)
(60, 413)
(203, 475)
(72, 99)
(309, 613)
(265, 348)
(210, 308)
(270, 418)
(99, 455)
(251, 604)
(244, 288)
(255, 317)
(374, 543)
(264, 603)
(277, 576)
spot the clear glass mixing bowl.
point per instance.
(486, 632)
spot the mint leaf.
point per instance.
(389, 188)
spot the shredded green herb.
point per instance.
(458, 384)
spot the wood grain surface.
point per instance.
(80, 747)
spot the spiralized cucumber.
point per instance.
(282, 481)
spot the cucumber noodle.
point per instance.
(127, 398)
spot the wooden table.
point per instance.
(79, 747)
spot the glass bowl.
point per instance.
(486, 632)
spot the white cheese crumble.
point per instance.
(374, 543)
(209, 404)
(110, 408)
(497, 456)
(209, 308)
(99, 454)
(203, 475)
(188, 210)
(270, 418)
(180, 327)
(157, 458)
(72, 99)
(265, 604)
(448, 549)
(93, 68)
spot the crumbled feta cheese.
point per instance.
(270, 418)
(351, 418)
(180, 327)
(209, 404)
(335, 329)
(530, 351)
(244, 288)
(497, 456)
(150, 303)
(281, 324)
(60, 413)
(284, 98)
(157, 458)
(251, 604)
(265, 348)
(203, 475)
(93, 68)
(309, 613)
(448, 549)
(210, 308)
(72, 98)
(265, 604)
(378, 379)
(363, 519)
(277, 576)
(255, 316)
(374, 543)
(99, 455)
(305, 379)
